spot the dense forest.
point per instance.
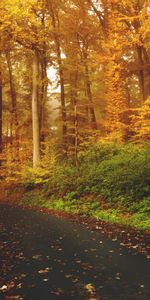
(75, 102)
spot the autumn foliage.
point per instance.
(69, 71)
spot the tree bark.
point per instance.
(62, 95)
(147, 61)
(74, 109)
(76, 134)
(43, 89)
(14, 122)
(14, 117)
(89, 92)
(141, 72)
(43, 80)
(55, 23)
(100, 16)
(35, 110)
(11, 80)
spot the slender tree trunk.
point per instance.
(101, 17)
(89, 92)
(62, 96)
(63, 106)
(14, 117)
(55, 23)
(73, 84)
(12, 86)
(147, 61)
(43, 90)
(90, 100)
(35, 110)
(76, 134)
(43, 81)
(141, 72)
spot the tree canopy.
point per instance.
(71, 70)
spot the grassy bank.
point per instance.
(112, 183)
(90, 208)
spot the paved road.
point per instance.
(46, 258)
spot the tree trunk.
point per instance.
(89, 92)
(13, 96)
(100, 16)
(147, 61)
(76, 134)
(43, 81)
(62, 96)
(14, 117)
(35, 110)
(12, 86)
(73, 85)
(141, 72)
(43, 90)
(55, 23)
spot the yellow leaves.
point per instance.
(89, 287)
(90, 291)
(141, 122)
(21, 20)
(3, 288)
(58, 292)
(44, 271)
(130, 18)
(68, 276)
(37, 257)
(36, 175)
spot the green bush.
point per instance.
(62, 181)
(126, 174)
(98, 152)
(121, 174)
(141, 206)
(71, 196)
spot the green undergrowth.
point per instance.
(112, 183)
(138, 218)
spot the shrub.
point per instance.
(141, 206)
(98, 152)
(62, 181)
(127, 174)
(120, 174)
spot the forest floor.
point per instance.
(45, 257)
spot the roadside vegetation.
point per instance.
(111, 183)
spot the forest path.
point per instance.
(46, 258)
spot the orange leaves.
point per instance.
(141, 122)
